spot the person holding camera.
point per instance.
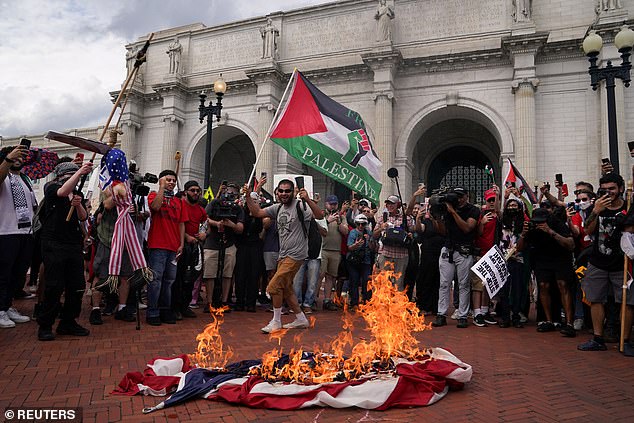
(292, 222)
(165, 243)
(359, 260)
(428, 280)
(456, 257)
(225, 221)
(17, 208)
(393, 229)
(331, 248)
(552, 246)
(605, 268)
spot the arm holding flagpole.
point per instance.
(268, 133)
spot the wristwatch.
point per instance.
(8, 160)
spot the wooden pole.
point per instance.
(626, 264)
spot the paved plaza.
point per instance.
(519, 374)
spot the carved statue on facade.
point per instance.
(384, 15)
(607, 5)
(130, 58)
(522, 10)
(174, 51)
(269, 40)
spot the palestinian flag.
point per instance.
(328, 137)
(515, 178)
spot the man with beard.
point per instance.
(190, 263)
(62, 244)
(17, 205)
(292, 223)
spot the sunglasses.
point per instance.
(579, 200)
(491, 200)
(284, 191)
(194, 190)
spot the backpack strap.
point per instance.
(300, 216)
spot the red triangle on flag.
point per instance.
(302, 116)
(511, 176)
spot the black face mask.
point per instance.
(512, 212)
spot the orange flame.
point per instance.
(211, 352)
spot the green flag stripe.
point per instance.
(329, 162)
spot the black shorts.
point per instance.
(552, 276)
(102, 261)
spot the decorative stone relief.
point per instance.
(384, 15)
(269, 40)
(522, 10)
(174, 51)
(607, 6)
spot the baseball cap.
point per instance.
(361, 218)
(392, 199)
(190, 184)
(364, 202)
(332, 199)
(490, 193)
(460, 191)
(540, 215)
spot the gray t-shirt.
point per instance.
(293, 242)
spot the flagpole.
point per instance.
(268, 133)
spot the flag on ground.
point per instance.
(515, 178)
(412, 384)
(328, 137)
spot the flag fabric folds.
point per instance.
(329, 137)
(412, 384)
(514, 178)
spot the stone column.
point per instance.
(170, 141)
(265, 117)
(128, 139)
(525, 150)
(383, 133)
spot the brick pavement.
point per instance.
(519, 375)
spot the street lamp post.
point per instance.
(220, 87)
(592, 45)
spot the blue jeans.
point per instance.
(310, 267)
(358, 275)
(159, 291)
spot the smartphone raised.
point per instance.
(262, 175)
(630, 145)
(559, 178)
(25, 142)
(299, 182)
(605, 161)
(564, 190)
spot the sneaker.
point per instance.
(193, 305)
(568, 331)
(628, 349)
(153, 320)
(178, 315)
(168, 317)
(125, 314)
(17, 317)
(307, 310)
(32, 289)
(330, 306)
(440, 321)
(22, 295)
(462, 323)
(45, 334)
(5, 322)
(518, 324)
(489, 319)
(592, 345)
(189, 313)
(71, 327)
(523, 318)
(545, 327)
(578, 324)
(109, 309)
(479, 321)
(505, 323)
(454, 316)
(142, 306)
(297, 324)
(95, 317)
(272, 326)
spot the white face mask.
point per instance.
(583, 205)
(627, 244)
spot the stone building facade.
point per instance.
(445, 88)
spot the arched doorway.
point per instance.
(455, 152)
(232, 157)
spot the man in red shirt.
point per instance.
(165, 244)
(484, 241)
(190, 263)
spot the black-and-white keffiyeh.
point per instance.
(20, 204)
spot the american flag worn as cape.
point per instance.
(413, 384)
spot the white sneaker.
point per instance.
(272, 326)
(523, 319)
(5, 322)
(578, 324)
(17, 317)
(142, 306)
(454, 316)
(297, 324)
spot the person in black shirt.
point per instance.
(428, 280)
(62, 243)
(552, 254)
(456, 257)
(249, 262)
(605, 268)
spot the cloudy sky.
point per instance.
(60, 58)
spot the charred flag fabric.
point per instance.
(329, 137)
(411, 384)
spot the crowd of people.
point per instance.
(245, 249)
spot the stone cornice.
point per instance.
(270, 73)
(562, 50)
(173, 87)
(381, 58)
(455, 61)
(525, 44)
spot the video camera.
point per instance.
(138, 181)
(439, 200)
(225, 207)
